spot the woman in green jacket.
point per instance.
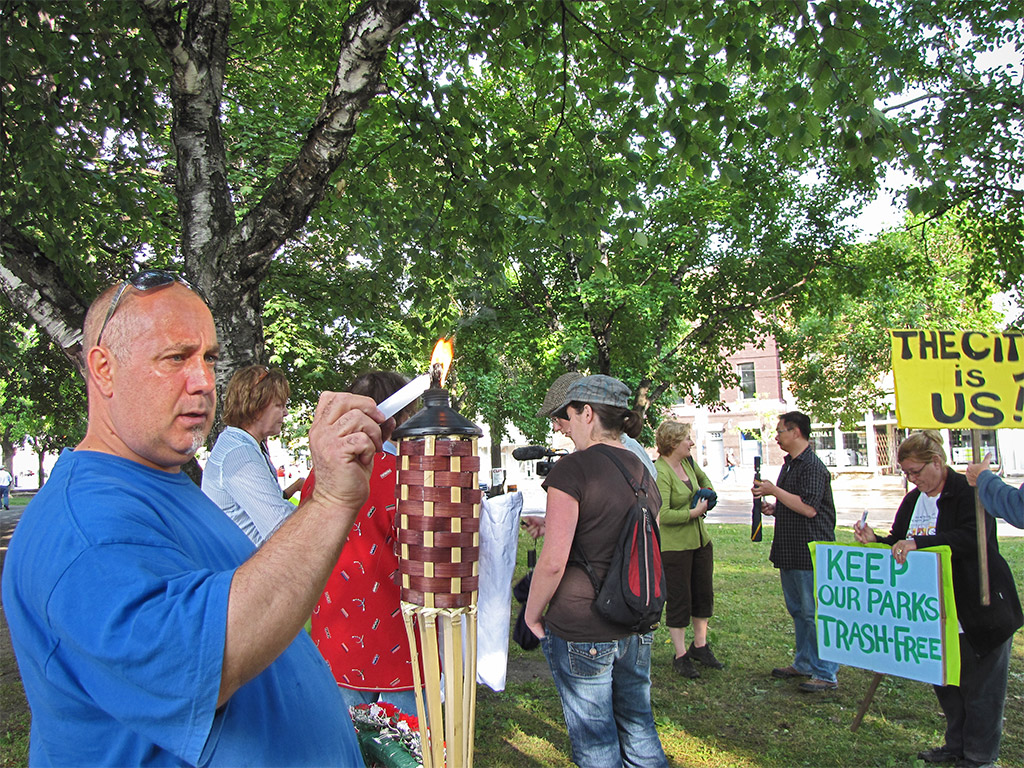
(685, 548)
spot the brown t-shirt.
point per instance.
(604, 496)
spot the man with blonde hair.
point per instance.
(148, 629)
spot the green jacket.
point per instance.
(679, 531)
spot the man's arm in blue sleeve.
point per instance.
(1001, 500)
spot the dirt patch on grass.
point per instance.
(523, 669)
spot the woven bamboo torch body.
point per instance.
(439, 545)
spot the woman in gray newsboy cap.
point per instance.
(602, 670)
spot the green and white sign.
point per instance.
(894, 619)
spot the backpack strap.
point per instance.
(608, 451)
(576, 556)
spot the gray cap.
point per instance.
(596, 390)
(556, 393)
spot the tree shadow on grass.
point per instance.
(522, 726)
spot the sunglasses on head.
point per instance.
(143, 281)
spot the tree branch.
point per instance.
(290, 198)
(198, 58)
(911, 102)
(34, 284)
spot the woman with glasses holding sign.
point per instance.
(940, 511)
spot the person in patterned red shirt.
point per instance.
(357, 624)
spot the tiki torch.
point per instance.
(439, 545)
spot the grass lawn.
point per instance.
(737, 717)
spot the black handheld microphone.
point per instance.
(531, 452)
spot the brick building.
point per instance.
(746, 426)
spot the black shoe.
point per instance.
(941, 754)
(684, 666)
(704, 655)
(966, 762)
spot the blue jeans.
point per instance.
(5, 495)
(798, 589)
(605, 688)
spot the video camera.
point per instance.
(544, 457)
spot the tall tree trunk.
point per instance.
(41, 457)
(495, 451)
(8, 448)
(225, 258)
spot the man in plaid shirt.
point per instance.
(804, 512)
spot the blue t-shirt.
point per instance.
(115, 588)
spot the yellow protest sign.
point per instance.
(958, 379)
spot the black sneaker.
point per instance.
(684, 666)
(704, 655)
(941, 754)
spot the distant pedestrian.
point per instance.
(5, 487)
(730, 465)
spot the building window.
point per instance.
(750, 446)
(960, 443)
(748, 388)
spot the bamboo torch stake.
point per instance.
(469, 699)
(453, 726)
(979, 517)
(408, 610)
(432, 672)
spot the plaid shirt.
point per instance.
(806, 476)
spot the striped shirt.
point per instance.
(241, 480)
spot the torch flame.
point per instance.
(442, 356)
